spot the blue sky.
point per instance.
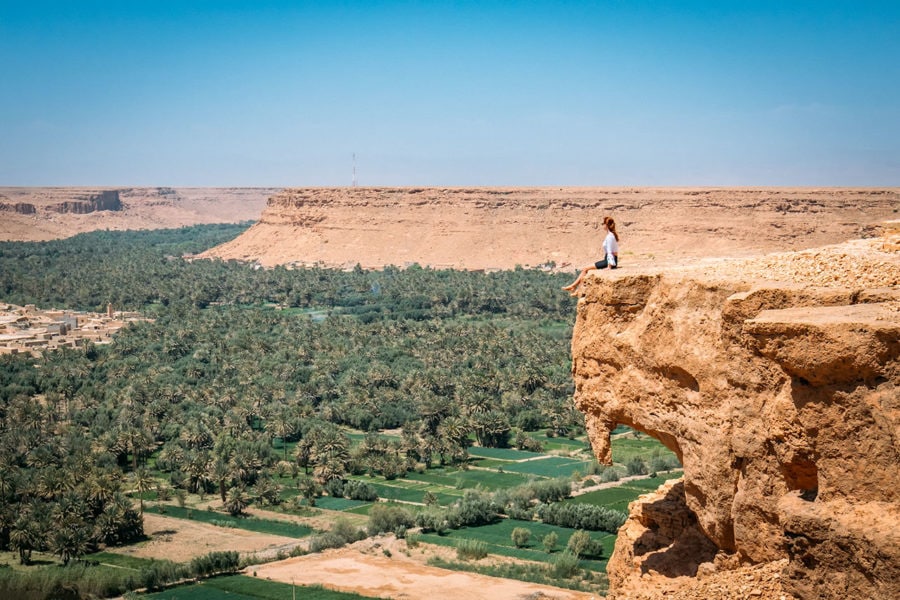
(610, 92)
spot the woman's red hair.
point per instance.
(611, 225)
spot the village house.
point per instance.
(30, 329)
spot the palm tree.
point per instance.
(143, 482)
(267, 491)
(237, 500)
(106, 527)
(491, 428)
(453, 437)
(303, 454)
(197, 471)
(220, 474)
(22, 538)
(283, 428)
(330, 453)
(69, 541)
(100, 490)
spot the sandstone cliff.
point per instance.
(776, 381)
(31, 214)
(77, 202)
(499, 228)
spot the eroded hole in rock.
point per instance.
(672, 543)
(802, 475)
(681, 377)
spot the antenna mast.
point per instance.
(354, 169)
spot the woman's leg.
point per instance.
(577, 281)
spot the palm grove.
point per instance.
(247, 380)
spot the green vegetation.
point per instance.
(341, 534)
(269, 388)
(106, 575)
(241, 587)
(284, 528)
(563, 573)
(498, 537)
(618, 498)
(471, 549)
(520, 536)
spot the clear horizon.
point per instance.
(500, 94)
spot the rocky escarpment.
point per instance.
(22, 208)
(499, 228)
(776, 381)
(31, 214)
(105, 200)
(76, 203)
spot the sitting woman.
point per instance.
(610, 251)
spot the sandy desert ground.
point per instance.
(180, 540)
(365, 569)
(362, 567)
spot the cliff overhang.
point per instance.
(782, 401)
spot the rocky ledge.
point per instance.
(776, 381)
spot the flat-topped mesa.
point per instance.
(80, 202)
(467, 228)
(89, 202)
(782, 401)
(500, 228)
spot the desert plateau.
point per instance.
(500, 228)
(450, 300)
(754, 334)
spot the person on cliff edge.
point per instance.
(610, 251)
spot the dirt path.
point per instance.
(366, 570)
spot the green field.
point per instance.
(122, 561)
(242, 587)
(284, 528)
(618, 498)
(458, 479)
(626, 448)
(651, 483)
(502, 453)
(489, 480)
(344, 504)
(552, 466)
(498, 538)
(609, 496)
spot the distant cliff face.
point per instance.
(88, 203)
(31, 214)
(781, 399)
(499, 228)
(22, 208)
(79, 203)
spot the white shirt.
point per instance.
(611, 247)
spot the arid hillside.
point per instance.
(499, 228)
(33, 214)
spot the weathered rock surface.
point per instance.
(87, 203)
(499, 228)
(31, 214)
(781, 399)
(22, 208)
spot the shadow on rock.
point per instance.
(673, 544)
